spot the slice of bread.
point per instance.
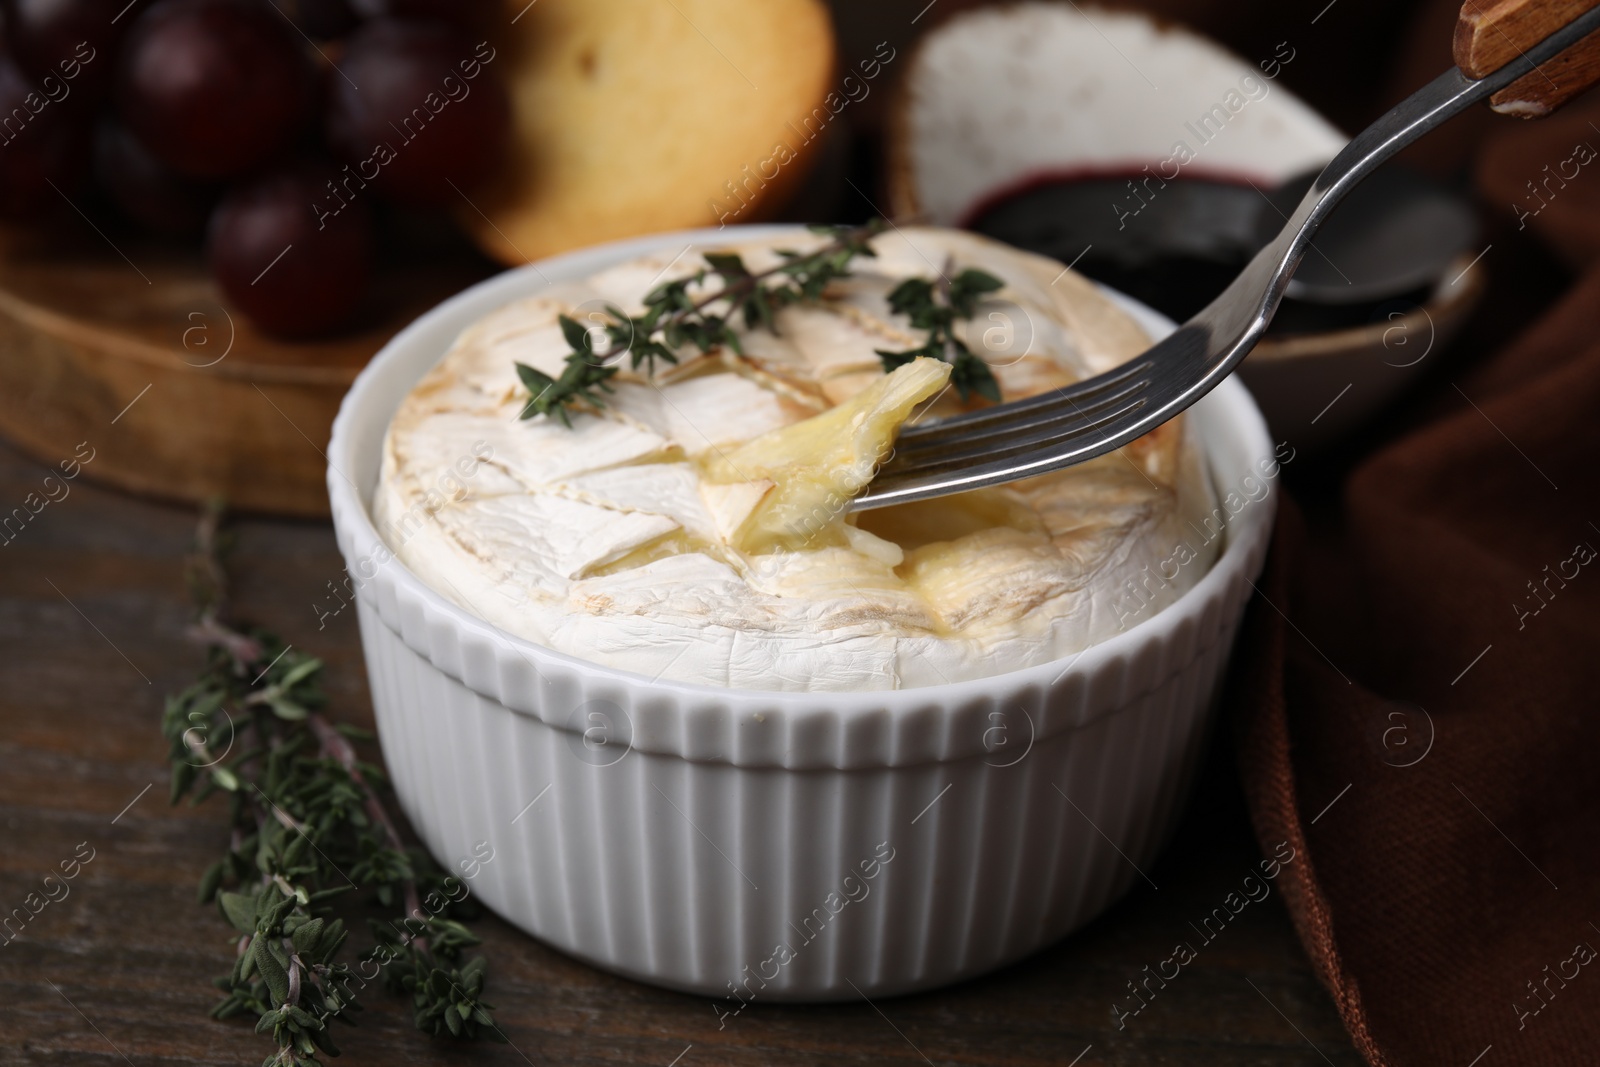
(634, 117)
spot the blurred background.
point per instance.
(266, 192)
(200, 185)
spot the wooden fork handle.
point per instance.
(1491, 33)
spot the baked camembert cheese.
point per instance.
(696, 529)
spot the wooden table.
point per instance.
(92, 613)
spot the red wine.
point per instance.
(1174, 245)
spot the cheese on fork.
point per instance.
(697, 527)
(809, 471)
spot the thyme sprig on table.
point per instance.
(673, 319)
(935, 307)
(307, 824)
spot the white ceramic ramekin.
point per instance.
(777, 846)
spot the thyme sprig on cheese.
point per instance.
(674, 319)
(935, 307)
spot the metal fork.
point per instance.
(1045, 433)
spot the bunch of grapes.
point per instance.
(272, 128)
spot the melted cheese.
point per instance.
(797, 480)
(695, 528)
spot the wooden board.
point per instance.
(130, 349)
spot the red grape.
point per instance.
(70, 41)
(147, 192)
(41, 145)
(289, 252)
(427, 112)
(214, 88)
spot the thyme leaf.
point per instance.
(935, 307)
(674, 320)
(307, 824)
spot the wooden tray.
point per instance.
(130, 349)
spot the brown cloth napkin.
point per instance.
(1416, 691)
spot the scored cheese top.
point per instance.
(694, 529)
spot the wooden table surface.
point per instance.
(92, 613)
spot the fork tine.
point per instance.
(1006, 414)
(1060, 413)
(896, 484)
(1048, 435)
(1056, 430)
